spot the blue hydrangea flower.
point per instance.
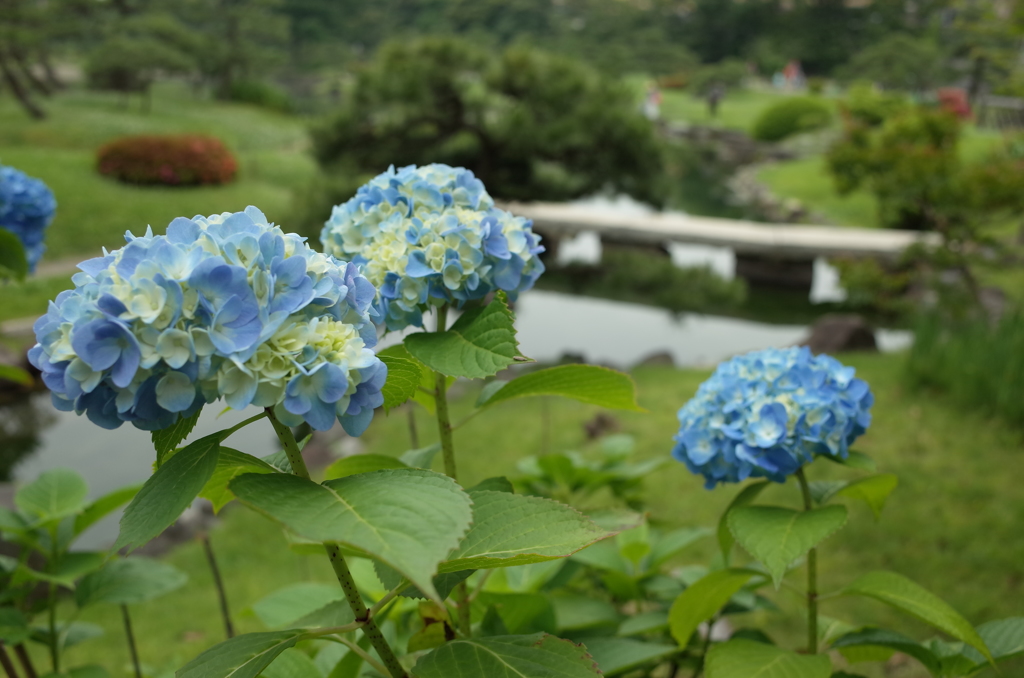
(427, 236)
(767, 413)
(221, 307)
(27, 207)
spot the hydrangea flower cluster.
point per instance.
(429, 236)
(767, 413)
(226, 306)
(27, 207)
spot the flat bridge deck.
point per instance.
(744, 237)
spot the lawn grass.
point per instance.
(739, 109)
(28, 299)
(952, 525)
(95, 211)
(809, 181)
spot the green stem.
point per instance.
(222, 594)
(812, 574)
(444, 429)
(131, 641)
(54, 640)
(5, 661)
(26, 661)
(348, 584)
(704, 650)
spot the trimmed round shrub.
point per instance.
(791, 116)
(171, 160)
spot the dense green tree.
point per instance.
(899, 61)
(142, 47)
(531, 125)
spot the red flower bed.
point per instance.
(173, 160)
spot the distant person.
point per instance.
(715, 95)
(779, 80)
(652, 103)
(794, 75)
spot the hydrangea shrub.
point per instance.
(767, 413)
(429, 236)
(27, 207)
(221, 307)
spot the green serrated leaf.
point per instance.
(745, 496)
(586, 383)
(497, 484)
(521, 612)
(168, 492)
(669, 544)
(514, 529)
(750, 659)
(911, 598)
(53, 495)
(70, 567)
(244, 656)
(104, 506)
(129, 581)
(361, 463)
(645, 622)
(1004, 637)
(775, 536)
(230, 464)
(292, 663)
(857, 460)
(823, 490)
(858, 646)
(422, 457)
(702, 599)
(402, 382)
(166, 439)
(615, 656)
(481, 343)
(287, 606)
(424, 518)
(534, 656)
(13, 262)
(873, 491)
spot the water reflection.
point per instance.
(21, 424)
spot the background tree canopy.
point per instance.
(531, 125)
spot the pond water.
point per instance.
(551, 325)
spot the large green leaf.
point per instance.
(13, 626)
(514, 529)
(745, 496)
(422, 457)
(906, 596)
(129, 581)
(361, 463)
(13, 262)
(427, 383)
(615, 656)
(244, 656)
(402, 382)
(578, 612)
(521, 613)
(408, 518)
(873, 491)
(53, 495)
(166, 439)
(586, 383)
(534, 656)
(776, 536)
(294, 605)
(168, 492)
(751, 659)
(70, 567)
(1004, 637)
(704, 598)
(230, 464)
(481, 343)
(292, 664)
(104, 506)
(859, 645)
